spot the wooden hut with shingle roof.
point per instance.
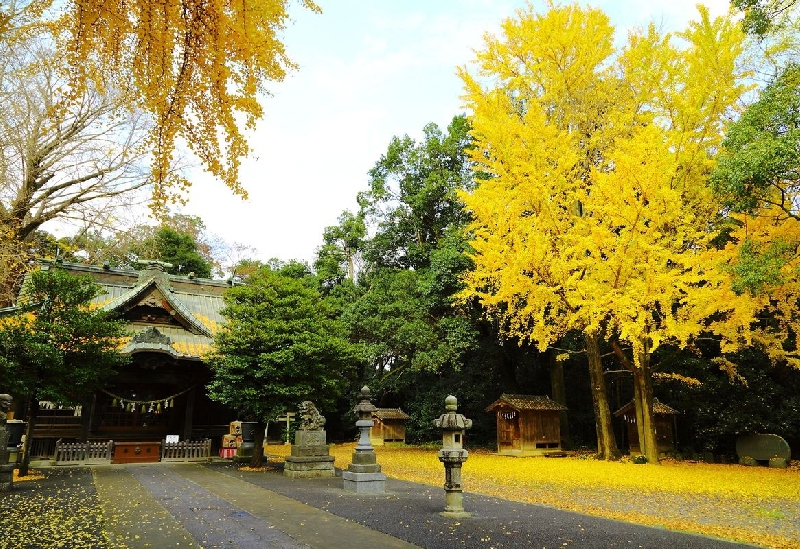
(172, 321)
(665, 417)
(527, 425)
(389, 425)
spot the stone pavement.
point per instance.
(218, 506)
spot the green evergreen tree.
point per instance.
(54, 346)
(281, 346)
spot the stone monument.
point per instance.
(363, 475)
(6, 468)
(453, 455)
(770, 449)
(310, 457)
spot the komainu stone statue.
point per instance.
(5, 406)
(310, 418)
(310, 454)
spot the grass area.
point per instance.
(750, 504)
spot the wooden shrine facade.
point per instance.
(388, 425)
(527, 425)
(161, 391)
(665, 419)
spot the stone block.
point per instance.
(365, 469)
(310, 438)
(6, 476)
(309, 467)
(364, 483)
(308, 450)
(364, 458)
(779, 463)
(747, 460)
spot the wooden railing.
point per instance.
(186, 450)
(71, 453)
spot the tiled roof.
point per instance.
(175, 300)
(390, 413)
(197, 303)
(658, 408)
(526, 402)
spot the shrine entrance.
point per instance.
(508, 432)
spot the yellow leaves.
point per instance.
(750, 504)
(685, 380)
(31, 476)
(598, 214)
(62, 514)
(208, 322)
(195, 66)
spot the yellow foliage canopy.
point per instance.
(597, 216)
(197, 66)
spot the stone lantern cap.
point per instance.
(451, 421)
(365, 406)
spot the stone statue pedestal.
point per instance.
(363, 482)
(310, 456)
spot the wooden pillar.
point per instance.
(187, 422)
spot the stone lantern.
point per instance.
(364, 475)
(6, 469)
(452, 455)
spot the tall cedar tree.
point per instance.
(404, 316)
(597, 217)
(55, 346)
(279, 348)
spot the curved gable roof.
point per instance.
(184, 315)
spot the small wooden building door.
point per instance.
(508, 431)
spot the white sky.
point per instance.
(369, 70)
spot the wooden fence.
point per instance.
(68, 453)
(186, 450)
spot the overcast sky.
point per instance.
(369, 70)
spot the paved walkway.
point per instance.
(217, 506)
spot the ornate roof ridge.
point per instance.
(149, 282)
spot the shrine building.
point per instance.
(161, 391)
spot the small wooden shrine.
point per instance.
(389, 425)
(665, 426)
(527, 425)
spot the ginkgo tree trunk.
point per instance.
(598, 216)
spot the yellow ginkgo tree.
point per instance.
(200, 68)
(598, 216)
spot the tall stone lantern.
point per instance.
(452, 455)
(6, 469)
(364, 475)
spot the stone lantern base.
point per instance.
(364, 483)
(6, 476)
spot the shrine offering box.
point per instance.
(136, 452)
